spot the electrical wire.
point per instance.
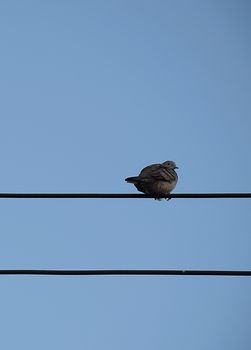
(123, 195)
(128, 272)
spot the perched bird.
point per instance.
(157, 180)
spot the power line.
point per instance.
(128, 272)
(122, 195)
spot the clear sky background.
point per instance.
(91, 92)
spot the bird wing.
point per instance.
(149, 169)
(164, 174)
(157, 172)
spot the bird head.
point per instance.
(170, 164)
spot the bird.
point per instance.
(157, 180)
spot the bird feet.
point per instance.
(159, 198)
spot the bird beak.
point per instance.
(176, 167)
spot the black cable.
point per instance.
(122, 195)
(128, 272)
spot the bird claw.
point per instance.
(159, 198)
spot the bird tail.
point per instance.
(132, 180)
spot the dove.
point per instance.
(157, 180)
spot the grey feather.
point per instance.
(156, 179)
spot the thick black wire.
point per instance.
(122, 195)
(127, 272)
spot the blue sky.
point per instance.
(91, 92)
